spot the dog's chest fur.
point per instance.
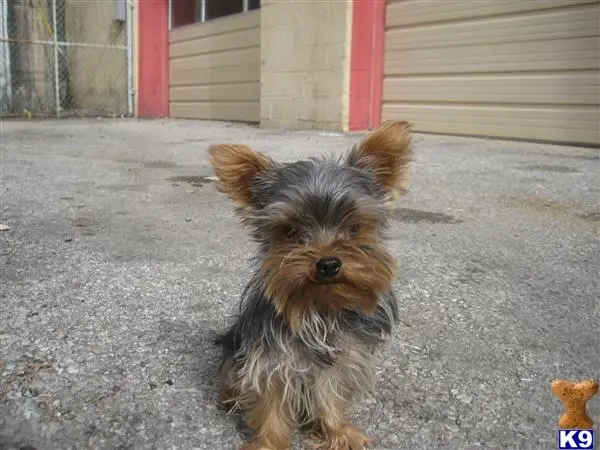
(321, 362)
(312, 374)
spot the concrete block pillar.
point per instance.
(305, 64)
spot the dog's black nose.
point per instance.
(328, 267)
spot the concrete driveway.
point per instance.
(122, 262)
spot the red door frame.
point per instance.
(153, 59)
(366, 64)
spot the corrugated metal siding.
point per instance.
(522, 69)
(214, 69)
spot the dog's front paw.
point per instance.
(357, 440)
(250, 446)
(348, 437)
(254, 446)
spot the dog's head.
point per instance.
(319, 222)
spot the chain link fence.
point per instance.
(65, 58)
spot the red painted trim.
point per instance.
(377, 62)
(366, 64)
(153, 60)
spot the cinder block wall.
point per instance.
(305, 64)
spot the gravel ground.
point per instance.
(122, 262)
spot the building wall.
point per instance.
(97, 76)
(214, 69)
(517, 69)
(305, 57)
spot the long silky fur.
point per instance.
(323, 360)
(320, 361)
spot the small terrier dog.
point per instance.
(320, 301)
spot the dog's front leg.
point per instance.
(345, 437)
(271, 420)
(335, 433)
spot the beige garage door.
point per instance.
(522, 69)
(214, 69)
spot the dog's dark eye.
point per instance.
(289, 232)
(354, 230)
(294, 234)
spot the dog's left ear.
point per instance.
(387, 153)
(236, 166)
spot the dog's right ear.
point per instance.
(387, 153)
(235, 167)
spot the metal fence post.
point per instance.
(202, 11)
(5, 66)
(56, 74)
(129, 58)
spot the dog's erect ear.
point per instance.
(387, 153)
(235, 167)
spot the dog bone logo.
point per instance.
(574, 396)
